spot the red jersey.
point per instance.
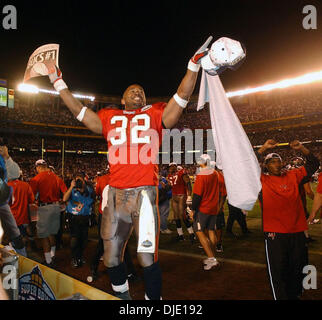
(177, 183)
(133, 138)
(101, 183)
(319, 187)
(48, 185)
(281, 203)
(22, 196)
(207, 187)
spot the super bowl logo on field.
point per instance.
(32, 286)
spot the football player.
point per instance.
(133, 136)
(181, 197)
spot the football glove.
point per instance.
(194, 63)
(56, 78)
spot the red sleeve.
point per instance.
(319, 188)
(31, 197)
(103, 115)
(158, 109)
(34, 185)
(62, 186)
(300, 174)
(198, 186)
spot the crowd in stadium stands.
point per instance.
(47, 110)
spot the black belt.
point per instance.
(42, 204)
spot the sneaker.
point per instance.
(180, 238)
(92, 277)
(316, 221)
(124, 295)
(166, 231)
(219, 247)
(75, 263)
(210, 263)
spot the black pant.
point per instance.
(78, 226)
(236, 214)
(60, 232)
(286, 256)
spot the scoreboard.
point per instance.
(7, 96)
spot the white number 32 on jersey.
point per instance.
(134, 133)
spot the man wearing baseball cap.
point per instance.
(205, 208)
(284, 221)
(46, 184)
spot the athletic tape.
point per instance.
(181, 102)
(81, 115)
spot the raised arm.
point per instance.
(83, 114)
(312, 163)
(179, 101)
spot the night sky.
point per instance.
(106, 47)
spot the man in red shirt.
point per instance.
(181, 196)
(49, 189)
(205, 208)
(284, 221)
(220, 220)
(22, 197)
(317, 201)
(133, 136)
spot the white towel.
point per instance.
(234, 153)
(146, 226)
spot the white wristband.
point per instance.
(81, 115)
(194, 67)
(60, 85)
(181, 102)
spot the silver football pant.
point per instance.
(119, 219)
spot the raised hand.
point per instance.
(194, 63)
(269, 144)
(296, 145)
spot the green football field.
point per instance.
(248, 248)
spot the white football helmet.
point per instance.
(224, 53)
